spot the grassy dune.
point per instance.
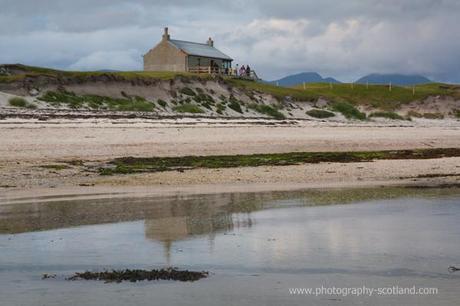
(36, 71)
(378, 96)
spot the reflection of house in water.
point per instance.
(183, 224)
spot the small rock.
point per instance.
(34, 92)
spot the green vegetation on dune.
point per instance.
(188, 108)
(69, 99)
(267, 110)
(162, 103)
(17, 102)
(278, 92)
(388, 115)
(235, 104)
(378, 96)
(157, 164)
(348, 110)
(88, 75)
(319, 113)
(433, 116)
(21, 102)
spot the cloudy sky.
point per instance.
(343, 39)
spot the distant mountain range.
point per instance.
(396, 79)
(307, 77)
(313, 77)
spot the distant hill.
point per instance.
(307, 77)
(396, 79)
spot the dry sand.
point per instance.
(26, 145)
(105, 139)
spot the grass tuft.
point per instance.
(162, 103)
(267, 110)
(18, 102)
(235, 104)
(319, 113)
(388, 115)
(348, 110)
(188, 108)
(433, 116)
(188, 91)
(21, 102)
(74, 101)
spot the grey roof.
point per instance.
(198, 49)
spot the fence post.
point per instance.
(304, 86)
(390, 86)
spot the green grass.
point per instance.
(220, 108)
(433, 116)
(188, 108)
(31, 71)
(388, 115)
(319, 113)
(235, 104)
(378, 96)
(157, 164)
(18, 102)
(69, 99)
(348, 110)
(162, 103)
(21, 102)
(267, 110)
(188, 92)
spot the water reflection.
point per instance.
(179, 217)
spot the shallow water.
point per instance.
(256, 247)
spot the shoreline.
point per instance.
(431, 173)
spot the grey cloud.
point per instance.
(339, 38)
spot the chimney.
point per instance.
(210, 42)
(166, 34)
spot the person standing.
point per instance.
(248, 71)
(242, 71)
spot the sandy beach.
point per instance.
(28, 147)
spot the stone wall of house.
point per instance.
(165, 57)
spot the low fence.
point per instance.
(224, 71)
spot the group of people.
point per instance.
(243, 71)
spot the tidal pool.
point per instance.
(257, 247)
